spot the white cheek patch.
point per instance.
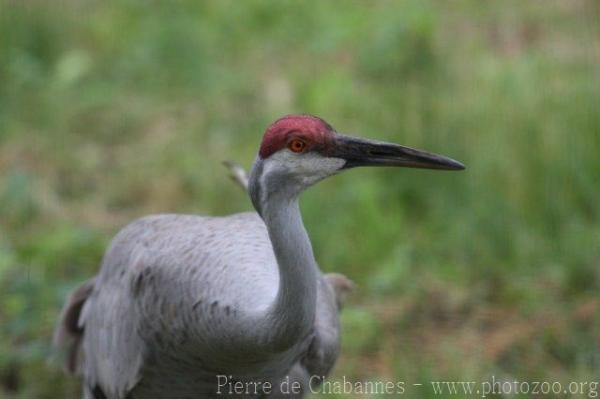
(308, 168)
(323, 166)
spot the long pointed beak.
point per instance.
(363, 152)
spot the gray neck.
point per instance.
(290, 317)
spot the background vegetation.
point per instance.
(114, 110)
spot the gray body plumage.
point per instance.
(172, 308)
(182, 302)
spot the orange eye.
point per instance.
(297, 145)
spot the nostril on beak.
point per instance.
(378, 153)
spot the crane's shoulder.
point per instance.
(206, 254)
(174, 222)
(164, 232)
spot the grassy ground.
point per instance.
(113, 110)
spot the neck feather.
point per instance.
(291, 316)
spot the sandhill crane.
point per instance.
(203, 307)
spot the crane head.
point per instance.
(299, 150)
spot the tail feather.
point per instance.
(342, 287)
(69, 332)
(237, 174)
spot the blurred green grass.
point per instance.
(113, 110)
